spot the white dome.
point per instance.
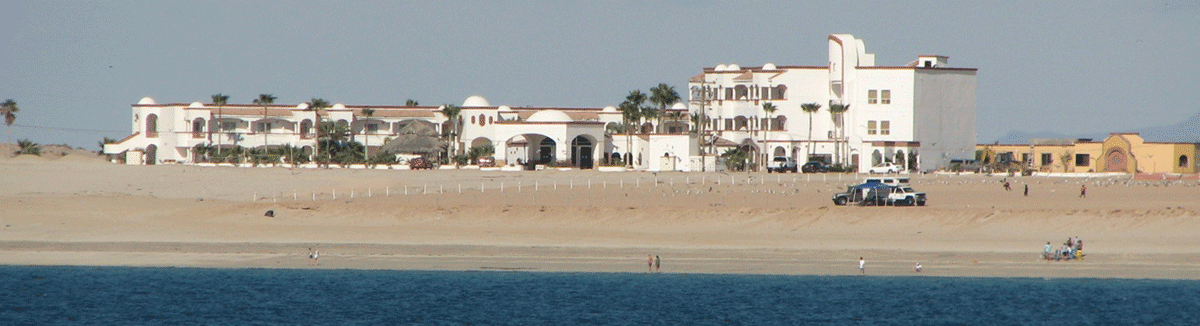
(504, 108)
(609, 108)
(475, 101)
(195, 105)
(338, 106)
(302, 106)
(720, 67)
(549, 116)
(146, 101)
(769, 66)
(678, 106)
(733, 67)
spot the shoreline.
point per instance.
(72, 211)
(597, 260)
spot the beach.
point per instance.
(78, 209)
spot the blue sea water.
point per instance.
(195, 296)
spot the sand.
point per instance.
(81, 210)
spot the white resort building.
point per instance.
(578, 137)
(923, 110)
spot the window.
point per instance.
(1047, 158)
(1083, 160)
(871, 127)
(885, 96)
(780, 93)
(1026, 159)
(227, 126)
(266, 127)
(729, 94)
(372, 128)
(872, 97)
(1183, 161)
(885, 127)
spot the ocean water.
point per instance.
(194, 296)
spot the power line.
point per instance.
(67, 129)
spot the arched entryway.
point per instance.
(1116, 161)
(581, 152)
(151, 154)
(546, 151)
(876, 158)
(780, 151)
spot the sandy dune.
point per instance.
(79, 210)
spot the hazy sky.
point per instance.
(1073, 67)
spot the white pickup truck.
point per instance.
(904, 195)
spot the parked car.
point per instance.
(905, 196)
(419, 163)
(815, 167)
(782, 164)
(885, 168)
(487, 162)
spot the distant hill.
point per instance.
(1186, 131)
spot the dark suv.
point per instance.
(814, 167)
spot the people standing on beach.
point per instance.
(1026, 190)
(1082, 191)
(311, 256)
(649, 263)
(316, 257)
(917, 268)
(862, 265)
(657, 264)
(1007, 187)
(1049, 249)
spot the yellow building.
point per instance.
(1119, 152)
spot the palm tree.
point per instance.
(662, 96)
(810, 108)
(836, 111)
(317, 105)
(264, 100)
(219, 100)
(452, 114)
(9, 110)
(637, 99)
(28, 147)
(768, 108)
(632, 112)
(411, 102)
(366, 112)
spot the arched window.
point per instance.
(779, 93)
(481, 123)
(1183, 161)
(740, 92)
(472, 119)
(152, 125)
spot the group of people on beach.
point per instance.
(653, 263)
(1071, 249)
(1008, 187)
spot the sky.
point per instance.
(75, 67)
